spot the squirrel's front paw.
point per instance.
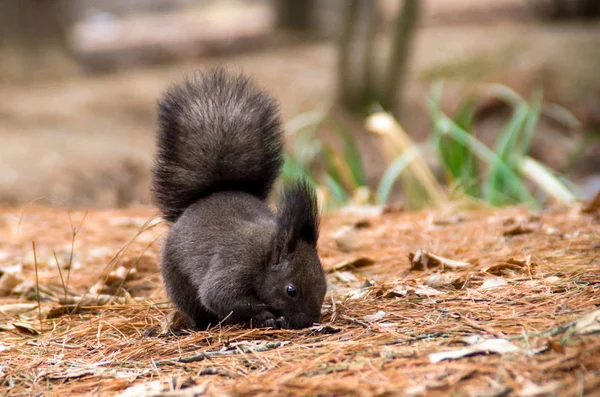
(268, 320)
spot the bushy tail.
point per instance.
(217, 132)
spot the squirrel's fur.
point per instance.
(228, 257)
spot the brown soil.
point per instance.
(523, 279)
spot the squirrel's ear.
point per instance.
(298, 214)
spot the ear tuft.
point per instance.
(298, 214)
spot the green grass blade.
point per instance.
(392, 173)
(487, 156)
(530, 125)
(501, 190)
(457, 159)
(338, 193)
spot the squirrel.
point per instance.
(228, 257)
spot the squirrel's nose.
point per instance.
(302, 321)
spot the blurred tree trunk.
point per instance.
(568, 9)
(589, 8)
(400, 54)
(358, 84)
(295, 14)
(357, 87)
(34, 37)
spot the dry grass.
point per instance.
(384, 318)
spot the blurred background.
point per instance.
(487, 100)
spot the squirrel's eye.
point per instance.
(291, 291)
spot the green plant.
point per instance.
(507, 164)
(336, 174)
(496, 175)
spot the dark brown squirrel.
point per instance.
(228, 257)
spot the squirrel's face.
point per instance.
(295, 287)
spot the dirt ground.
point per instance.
(88, 140)
(464, 302)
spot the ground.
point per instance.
(511, 294)
(88, 140)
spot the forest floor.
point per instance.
(464, 302)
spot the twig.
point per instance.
(551, 332)
(476, 325)
(74, 232)
(205, 355)
(357, 321)
(62, 280)
(37, 284)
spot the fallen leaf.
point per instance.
(114, 281)
(368, 284)
(352, 264)
(6, 327)
(551, 279)
(445, 280)
(59, 311)
(397, 292)
(420, 290)
(147, 389)
(499, 346)
(26, 328)
(358, 293)
(346, 277)
(513, 265)
(423, 260)
(324, 329)
(557, 347)
(15, 309)
(427, 291)
(492, 283)
(375, 317)
(8, 282)
(13, 284)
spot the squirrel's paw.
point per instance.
(268, 320)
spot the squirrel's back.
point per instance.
(217, 132)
